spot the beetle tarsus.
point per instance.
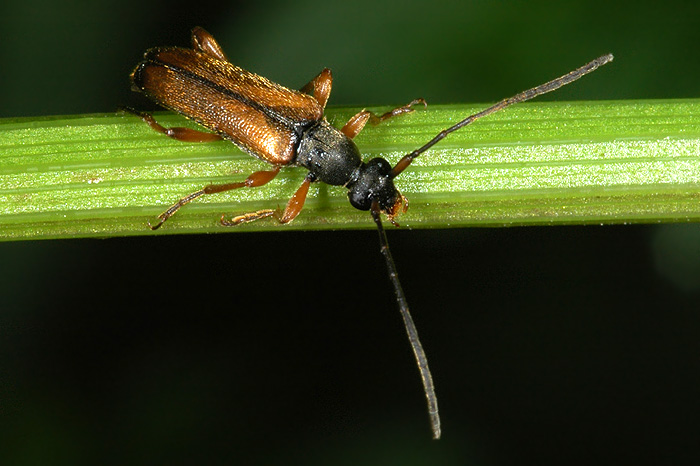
(290, 212)
(358, 121)
(162, 218)
(375, 120)
(249, 217)
(178, 133)
(161, 221)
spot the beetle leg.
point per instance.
(296, 203)
(204, 42)
(294, 206)
(246, 218)
(355, 124)
(320, 87)
(375, 120)
(253, 181)
(353, 127)
(178, 133)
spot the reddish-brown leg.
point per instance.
(294, 206)
(353, 127)
(178, 133)
(355, 124)
(204, 42)
(320, 87)
(253, 181)
(375, 120)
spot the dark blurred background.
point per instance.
(563, 345)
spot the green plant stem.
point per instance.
(536, 163)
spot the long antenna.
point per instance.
(421, 358)
(523, 96)
(418, 351)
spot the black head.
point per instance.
(374, 183)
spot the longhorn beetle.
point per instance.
(284, 127)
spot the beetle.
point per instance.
(284, 127)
